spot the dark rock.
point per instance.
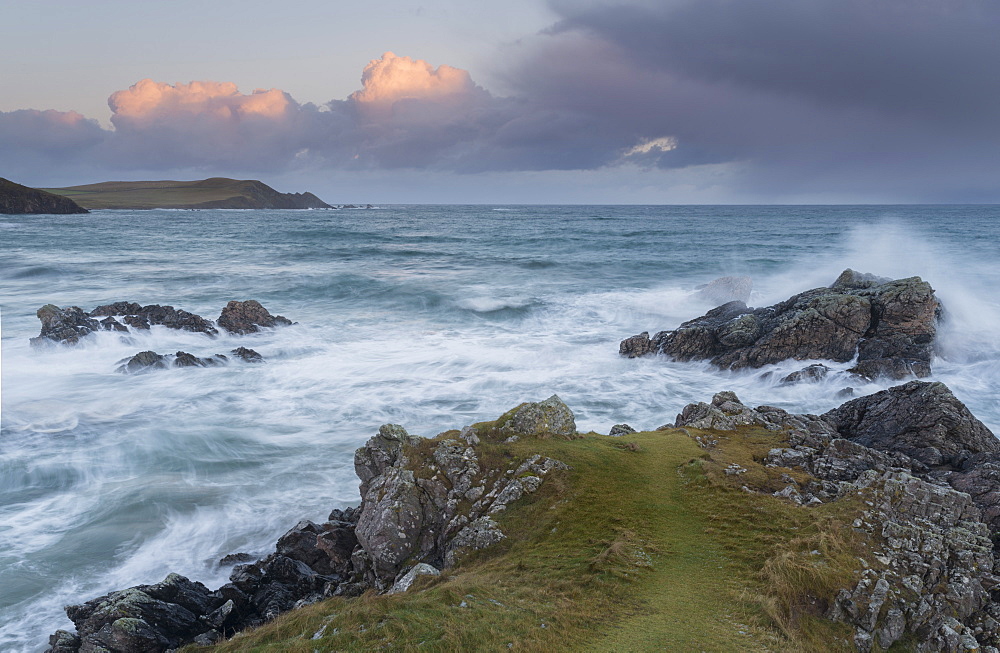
(924, 421)
(142, 362)
(184, 359)
(63, 325)
(63, 641)
(117, 308)
(619, 430)
(16, 199)
(889, 325)
(248, 317)
(809, 374)
(173, 318)
(845, 392)
(144, 618)
(234, 558)
(727, 289)
(636, 346)
(111, 324)
(136, 322)
(543, 419)
(247, 355)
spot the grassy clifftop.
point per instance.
(646, 543)
(214, 193)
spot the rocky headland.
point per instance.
(903, 481)
(16, 199)
(887, 326)
(214, 193)
(874, 526)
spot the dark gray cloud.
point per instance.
(843, 99)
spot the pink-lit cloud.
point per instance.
(146, 102)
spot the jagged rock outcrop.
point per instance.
(248, 317)
(146, 361)
(16, 199)
(425, 504)
(437, 507)
(247, 355)
(888, 325)
(913, 453)
(63, 325)
(67, 325)
(932, 573)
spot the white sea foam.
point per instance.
(113, 480)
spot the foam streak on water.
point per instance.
(431, 317)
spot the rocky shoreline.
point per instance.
(917, 472)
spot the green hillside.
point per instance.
(214, 193)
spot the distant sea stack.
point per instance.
(214, 193)
(16, 199)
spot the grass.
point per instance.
(156, 194)
(645, 544)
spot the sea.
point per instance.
(432, 317)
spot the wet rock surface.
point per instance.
(146, 361)
(67, 325)
(425, 504)
(889, 325)
(248, 317)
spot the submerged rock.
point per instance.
(149, 360)
(248, 317)
(247, 355)
(889, 325)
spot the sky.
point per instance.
(525, 101)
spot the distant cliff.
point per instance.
(214, 193)
(17, 199)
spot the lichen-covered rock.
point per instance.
(543, 419)
(888, 325)
(619, 430)
(934, 571)
(248, 317)
(404, 582)
(431, 505)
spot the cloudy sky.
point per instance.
(583, 101)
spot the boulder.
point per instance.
(809, 374)
(542, 419)
(248, 317)
(63, 325)
(142, 362)
(247, 355)
(888, 325)
(405, 581)
(619, 430)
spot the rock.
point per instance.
(63, 325)
(149, 360)
(173, 318)
(136, 322)
(619, 430)
(924, 421)
(248, 317)
(436, 517)
(235, 558)
(636, 346)
(543, 419)
(116, 308)
(404, 582)
(726, 289)
(16, 199)
(63, 641)
(142, 362)
(809, 374)
(184, 359)
(144, 618)
(889, 325)
(111, 324)
(247, 355)
(937, 573)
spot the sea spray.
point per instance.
(431, 317)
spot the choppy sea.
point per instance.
(432, 317)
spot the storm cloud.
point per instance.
(886, 100)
